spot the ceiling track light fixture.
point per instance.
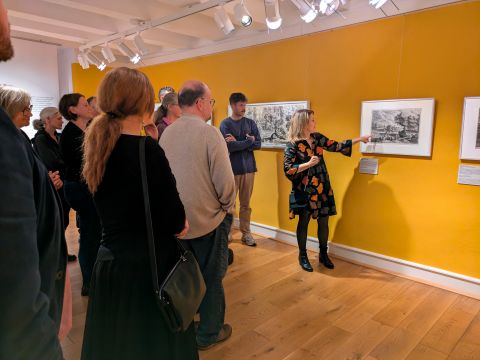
(140, 45)
(307, 11)
(94, 60)
(327, 7)
(125, 50)
(82, 59)
(242, 14)
(272, 14)
(223, 20)
(108, 54)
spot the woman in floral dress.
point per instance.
(312, 195)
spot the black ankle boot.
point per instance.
(304, 263)
(324, 259)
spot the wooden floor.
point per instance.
(278, 311)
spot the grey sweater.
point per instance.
(198, 157)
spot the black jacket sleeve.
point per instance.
(26, 330)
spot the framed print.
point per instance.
(398, 127)
(273, 120)
(470, 142)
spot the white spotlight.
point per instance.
(328, 7)
(82, 59)
(94, 60)
(272, 13)
(223, 21)
(242, 14)
(125, 50)
(377, 3)
(108, 54)
(141, 47)
(307, 12)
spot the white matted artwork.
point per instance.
(470, 143)
(273, 120)
(398, 127)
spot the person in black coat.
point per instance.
(46, 144)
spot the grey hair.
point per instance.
(13, 100)
(48, 111)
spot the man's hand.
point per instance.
(250, 137)
(230, 138)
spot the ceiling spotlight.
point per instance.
(328, 7)
(125, 50)
(377, 3)
(82, 59)
(108, 54)
(223, 21)
(242, 14)
(140, 45)
(272, 13)
(307, 12)
(94, 60)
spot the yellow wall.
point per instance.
(413, 209)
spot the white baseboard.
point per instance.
(448, 280)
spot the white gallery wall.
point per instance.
(35, 68)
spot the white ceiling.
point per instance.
(75, 23)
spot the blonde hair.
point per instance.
(13, 100)
(298, 123)
(123, 92)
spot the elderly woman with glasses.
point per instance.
(47, 219)
(312, 195)
(167, 113)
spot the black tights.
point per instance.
(302, 228)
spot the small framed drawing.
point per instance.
(273, 120)
(470, 143)
(398, 127)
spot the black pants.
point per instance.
(302, 229)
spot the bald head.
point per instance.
(195, 98)
(190, 92)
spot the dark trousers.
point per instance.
(81, 201)
(302, 229)
(65, 207)
(211, 252)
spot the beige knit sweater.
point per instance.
(198, 157)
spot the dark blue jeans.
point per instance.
(211, 252)
(81, 201)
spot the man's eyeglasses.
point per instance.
(211, 101)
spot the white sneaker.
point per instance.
(248, 240)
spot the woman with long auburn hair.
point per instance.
(312, 195)
(123, 320)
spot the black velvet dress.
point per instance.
(123, 321)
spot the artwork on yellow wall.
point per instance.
(470, 143)
(273, 120)
(398, 127)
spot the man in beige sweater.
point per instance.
(198, 157)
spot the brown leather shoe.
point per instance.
(224, 334)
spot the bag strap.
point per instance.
(148, 217)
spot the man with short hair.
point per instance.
(242, 137)
(198, 157)
(27, 331)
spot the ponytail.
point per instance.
(100, 139)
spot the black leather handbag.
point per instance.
(180, 295)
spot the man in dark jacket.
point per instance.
(27, 331)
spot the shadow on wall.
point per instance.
(372, 219)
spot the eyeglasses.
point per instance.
(211, 101)
(28, 108)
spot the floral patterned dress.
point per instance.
(311, 188)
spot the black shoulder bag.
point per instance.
(181, 293)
